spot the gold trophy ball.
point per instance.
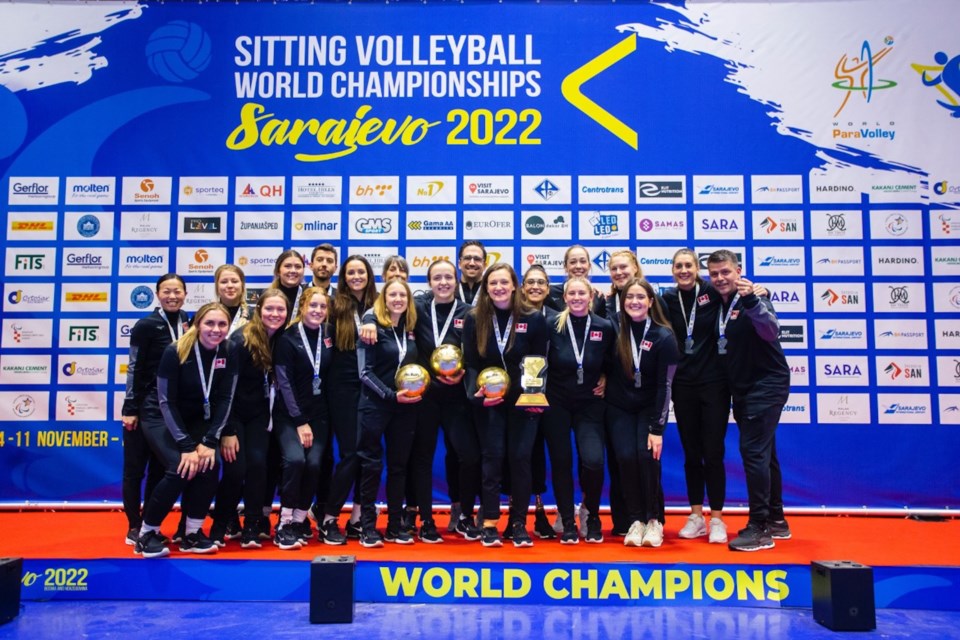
(494, 381)
(446, 360)
(413, 378)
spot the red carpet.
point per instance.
(869, 540)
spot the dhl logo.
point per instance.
(23, 225)
(91, 296)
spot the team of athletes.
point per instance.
(246, 403)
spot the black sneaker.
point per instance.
(329, 533)
(594, 530)
(408, 522)
(429, 533)
(396, 534)
(354, 531)
(287, 538)
(570, 534)
(752, 538)
(371, 538)
(197, 542)
(620, 529)
(520, 536)
(218, 532)
(304, 532)
(489, 537)
(263, 528)
(133, 535)
(179, 535)
(149, 545)
(250, 537)
(316, 514)
(779, 529)
(233, 530)
(541, 525)
(468, 529)
(508, 531)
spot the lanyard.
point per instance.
(356, 320)
(401, 346)
(502, 340)
(314, 359)
(722, 321)
(296, 300)
(638, 353)
(438, 335)
(463, 295)
(573, 342)
(270, 391)
(616, 302)
(174, 333)
(205, 383)
(236, 319)
(688, 343)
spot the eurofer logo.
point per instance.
(945, 79)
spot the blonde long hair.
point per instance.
(380, 306)
(186, 342)
(561, 324)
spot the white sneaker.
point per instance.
(558, 524)
(694, 527)
(653, 534)
(634, 537)
(583, 513)
(718, 531)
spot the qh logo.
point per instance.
(546, 189)
(88, 226)
(856, 74)
(373, 226)
(943, 76)
(141, 297)
(840, 298)
(24, 406)
(896, 224)
(771, 225)
(903, 371)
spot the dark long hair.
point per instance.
(255, 333)
(344, 304)
(657, 315)
(484, 309)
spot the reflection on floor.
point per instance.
(172, 620)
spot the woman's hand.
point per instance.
(403, 397)
(229, 447)
(655, 444)
(488, 402)
(368, 334)
(305, 433)
(129, 422)
(189, 463)
(452, 380)
(601, 387)
(208, 458)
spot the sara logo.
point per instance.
(855, 74)
(945, 78)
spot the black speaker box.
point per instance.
(11, 571)
(331, 589)
(843, 595)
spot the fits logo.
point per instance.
(82, 334)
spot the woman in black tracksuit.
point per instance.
(148, 340)
(638, 405)
(231, 287)
(288, 276)
(440, 321)
(580, 345)
(355, 295)
(301, 418)
(246, 438)
(385, 412)
(183, 422)
(499, 332)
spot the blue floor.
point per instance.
(172, 620)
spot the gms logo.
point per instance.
(833, 297)
(945, 79)
(546, 189)
(88, 226)
(141, 297)
(896, 224)
(855, 75)
(770, 225)
(373, 226)
(903, 371)
(24, 406)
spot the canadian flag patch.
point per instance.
(734, 314)
(458, 323)
(596, 336)
(220, 363)
(411, 336)
(328, 343)
(521, 327)
(704, 299)
(646, 345)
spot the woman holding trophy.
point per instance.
(502, 338)
(439, 327)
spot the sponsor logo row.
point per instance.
(558, 224)
(831, 408)
(473, 189)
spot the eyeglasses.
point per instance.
(539, 282)
(471, 258)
